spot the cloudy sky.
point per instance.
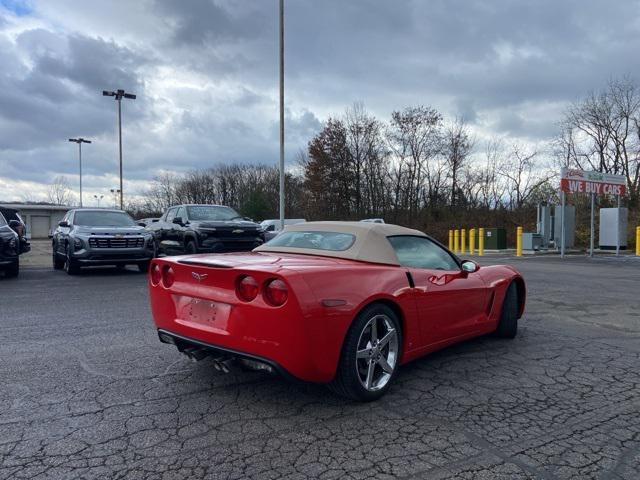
(205, 72)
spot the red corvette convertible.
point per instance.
(342, 303)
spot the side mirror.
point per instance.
(247, 219)
(470, 266)
(142, 224)
(14, 224)
(271, 228)
(178, 220)
(64, 224)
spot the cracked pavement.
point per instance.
(88, 391)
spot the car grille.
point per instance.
(113, 242)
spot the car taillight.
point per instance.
(247, 288)
(168, 277)
(276, 292)
(156, 274)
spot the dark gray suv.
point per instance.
(89, 237)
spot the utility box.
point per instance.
(495, 239)
(545, 227)
(531, 241)
(610, 218)
(569, 226)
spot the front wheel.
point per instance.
(70, 265)
(370, 355)
(14, 269)
(58, 263)
(144, 266)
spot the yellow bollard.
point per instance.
(472, 241)
(456, 241)
(451, 240)
(481, 242)
(463, 241)
(638, 241)
(519, 242)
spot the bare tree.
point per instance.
(457, 147)
(59, 192)
(523, 175)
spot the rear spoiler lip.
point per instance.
(202, 264)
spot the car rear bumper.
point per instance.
(183, 343)
(4, 261)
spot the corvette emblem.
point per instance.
(238, 230)
(199, 276)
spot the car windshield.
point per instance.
(332, 241)
(211, 212)
(103, 219)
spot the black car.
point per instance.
(9, 249)
(204, 229)
(17, 225)
(90, 237)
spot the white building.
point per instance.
(40, 219)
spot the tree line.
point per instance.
(421, 169)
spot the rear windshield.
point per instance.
(103, 219)
(210, 212)
(332, 241)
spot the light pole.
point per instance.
(98, 198)
(80, 141)
(281, 114)
(116, 193)
(119, 95)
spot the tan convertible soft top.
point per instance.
(371, 244)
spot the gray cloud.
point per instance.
(205, 73)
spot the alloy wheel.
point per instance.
(377, 355)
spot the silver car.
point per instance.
(90, 237)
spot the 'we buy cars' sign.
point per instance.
(579, 181)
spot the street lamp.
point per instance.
(119, 95)
(98, 198)
(281, 38)
(116, 193)
(80, 141)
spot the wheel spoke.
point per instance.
(385, 365)
(374, 329)
(364, 353)
(390, 334)
(370, 371)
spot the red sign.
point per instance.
(579, 181)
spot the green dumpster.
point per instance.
(495, 238)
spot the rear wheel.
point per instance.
(508, 324)
(13, 270)
(70, 265)
(370, 355)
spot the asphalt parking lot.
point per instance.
(87, 391)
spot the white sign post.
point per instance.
(593, 183)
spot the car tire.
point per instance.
(14, 269)
(190, 247)
(70, 265)
(58, 263)
(144, 266)
(360, 375)
(508, 324)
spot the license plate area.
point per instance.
(203, 314)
